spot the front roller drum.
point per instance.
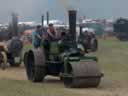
(83, 75)
(79, 82)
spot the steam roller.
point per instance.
(10, 52)
(14, 51)
(64, 59)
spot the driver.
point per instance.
(52, 33)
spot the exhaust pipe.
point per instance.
(42, 20)
(72, 24)
(15, 25)
(47, 18)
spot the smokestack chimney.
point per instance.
(47, 17)
(42, 20)
(72, 24)
(15, 24)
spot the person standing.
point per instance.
(37, 37)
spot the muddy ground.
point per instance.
(108, 87)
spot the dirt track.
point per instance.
(13, 73)
(108, 87)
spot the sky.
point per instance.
(31, 10)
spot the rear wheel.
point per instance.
(25, 58)
(35, 66)
(38, 73)
(35, 73)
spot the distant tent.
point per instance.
(99, 28)
(121, 29)
(88, 29)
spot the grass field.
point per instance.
(113, 60)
